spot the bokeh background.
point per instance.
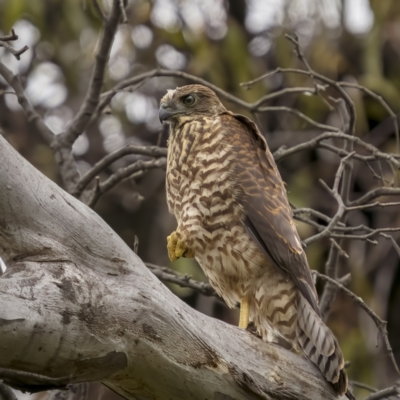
(226, 43)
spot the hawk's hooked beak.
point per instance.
(164, 113)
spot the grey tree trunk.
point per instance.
(77, 305)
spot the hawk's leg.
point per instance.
(177, 247)
(244, 312)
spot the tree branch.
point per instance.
(62, 154)
(123, 173)
(166, 274)
(380, 324)
(382, 394)
(82, 118)
(151, 151)
(9, 38)
(109, 318)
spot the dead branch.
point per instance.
(123, 173)
(380, 323)
(63, 154)
(373, 194)
(15, 53)
(341, 207)
(82, 118)
(166, 274)
(382, 101)
(151, 151)
(316, 142)
(109, 318)
(9, 38)
(381, 394)
(363, 386)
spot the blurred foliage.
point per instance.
(218, 42)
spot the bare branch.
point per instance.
(92, 98)
(294, 112)
(366, 236)
(341, 207)
(376, 153)
(9, 38)
(382, 394)
(375, 204)
(339, 249)
(280, 93)
(385, 105)
(63, 154)
(373, 194)
(30, 112)
(151, 151)
(380, 324)
(166, 274)
(363, 386)
(15, 53)
(106, 98)
(123, 173)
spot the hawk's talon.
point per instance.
(177, 247)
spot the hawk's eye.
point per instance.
(188, 100)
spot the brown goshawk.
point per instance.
(233, 216)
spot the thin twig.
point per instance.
(380, 324)
(385, 105)
(280, 93)
(123, 173)
(384, 393)
(373, 194)
(15, 53)
(341, 207)
(63, 154)
(371, 205)
(363, 386)
(151, 151)
(8, 38)
(376, 153)
(30, 112)
(168, 275)
(339, 248)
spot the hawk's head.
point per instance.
(189, 101)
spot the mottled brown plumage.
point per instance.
(233, 216)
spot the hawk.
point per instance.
(234, 217)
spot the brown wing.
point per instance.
(263, 196)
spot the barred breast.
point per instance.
(201, 193)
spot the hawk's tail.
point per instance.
(320, 346)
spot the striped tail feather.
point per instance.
(320, 346)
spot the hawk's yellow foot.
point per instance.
(244, 313)
(177, 247)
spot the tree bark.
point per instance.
(77, 305)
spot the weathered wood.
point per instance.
(76, 304)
